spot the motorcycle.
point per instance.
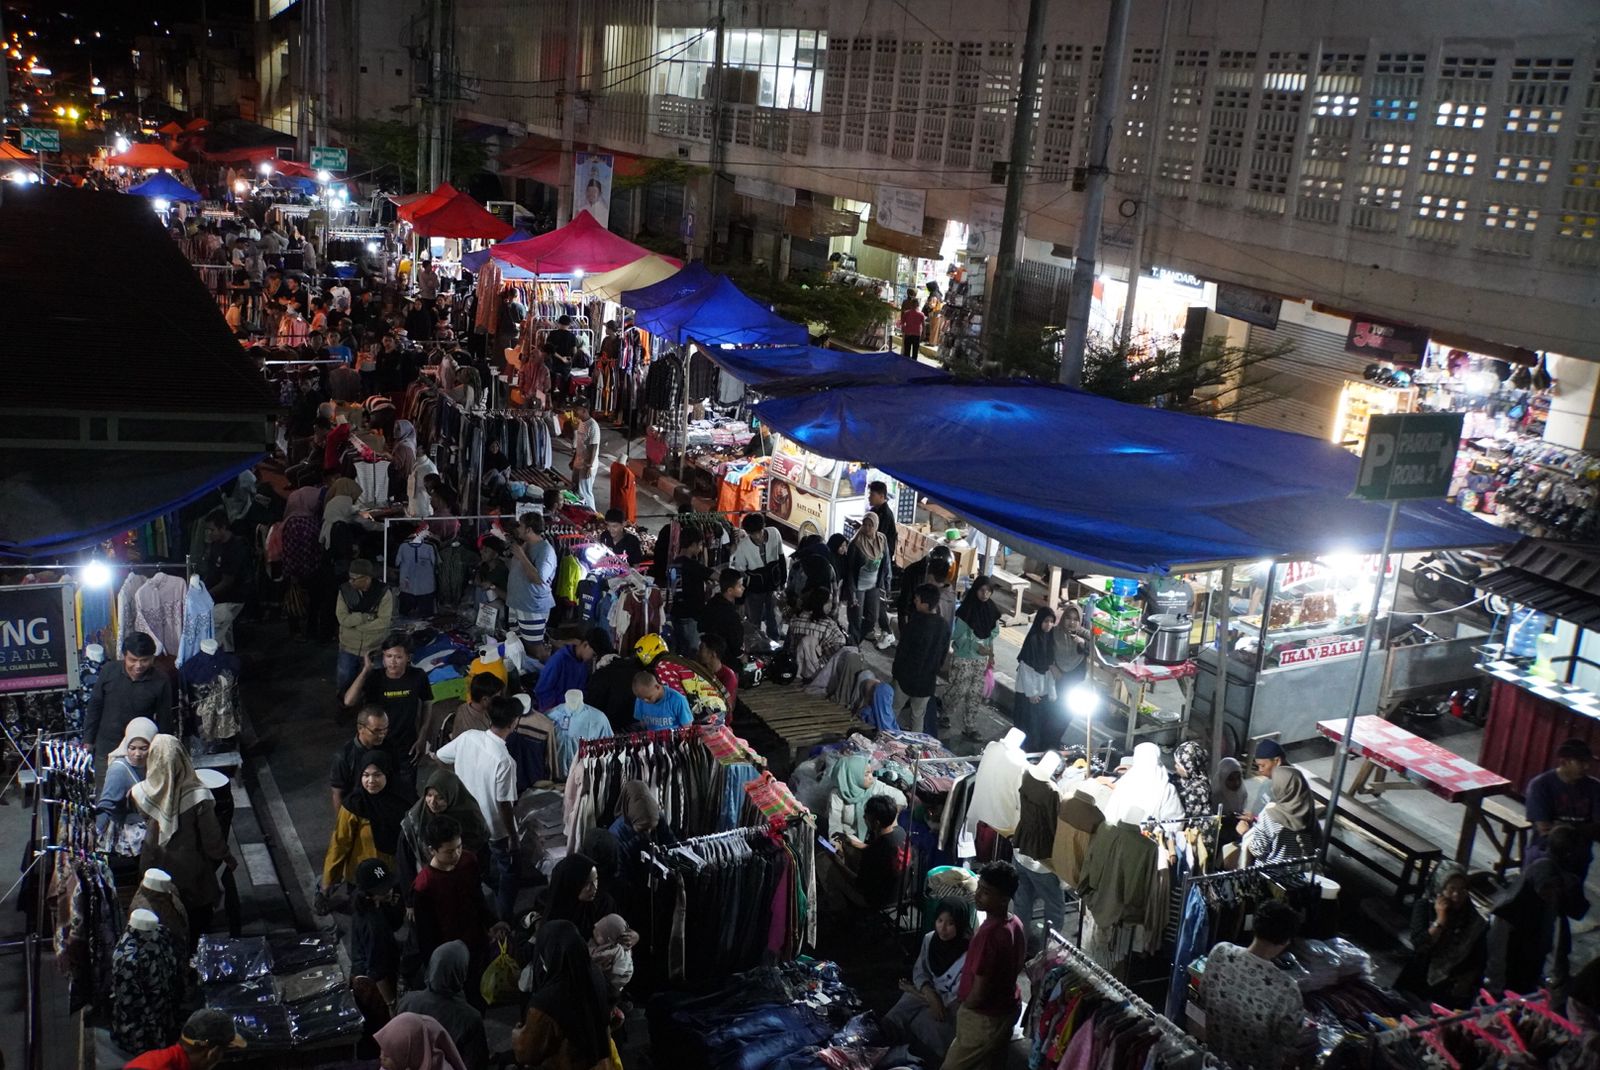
(1450, 576)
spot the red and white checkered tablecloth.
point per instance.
(1447, 775)
(1150, 674)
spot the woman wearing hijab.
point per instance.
(1449, 941)
(1523, 920)
(606, 851)
(853, 784)
(971, 656)
(864, 569)
(444, 1000)
(182, 835)
(119, 825)
(302, 554)
(640, 821)
(568, 1024)
(1227, 786)
(1144, 792)
(369, 822)
(574, 895)
(925, 1017)
(1287, 827)
(1191, 763)
(443, 795)
(416, 1042)
(1033, 708)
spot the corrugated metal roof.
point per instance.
(1559, 578)
(101, 312)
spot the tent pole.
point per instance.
(1219, 694)
(1361, 679)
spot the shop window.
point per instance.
(785, 66)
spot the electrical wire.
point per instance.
(604, 70)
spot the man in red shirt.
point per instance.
(990, 999)
(207, 1037)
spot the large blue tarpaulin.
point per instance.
(719, 313)
(691, 277)
(1090, 482)
(166, 187)
(790, 369)
(475, 260)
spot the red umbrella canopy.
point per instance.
(458, 216)
(581, 245)
(147, 154)
(426, 203)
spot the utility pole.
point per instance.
(435, 92)
(718, 102)
(1005, 268)
(205, 59)
(1147, 175)
(1108, 106)
(303, 60)
(567, 192)
(322, 72)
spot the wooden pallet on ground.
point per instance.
(800, 720)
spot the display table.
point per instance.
(1127, 685)
(1385, 747)
(1529, 717)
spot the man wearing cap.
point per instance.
(365, 610)
(207, 1037)
(1269, 755)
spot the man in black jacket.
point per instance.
(610, 690)
(722, 618)
(135, 688)
(924, 642)
(878, 497)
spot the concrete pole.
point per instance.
(1005, 270)
(1108, 107)
(1147, 176)
(569, 116)
(718, 101)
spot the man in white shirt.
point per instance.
(485, 766)
(585, 452)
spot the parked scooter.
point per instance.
(1451, 577)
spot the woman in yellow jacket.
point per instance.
(369, 822)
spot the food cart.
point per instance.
(813, 495)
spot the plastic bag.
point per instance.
(499, 984)
(988, 682)
(220, 958)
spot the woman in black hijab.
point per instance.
(1034, 709)
(575, 895)
(568, 1022)
(971, 656)
(606, 851)
(369, 821)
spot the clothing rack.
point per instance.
(626, 740)
(1097, 975)
(1308, 863)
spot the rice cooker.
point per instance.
(1169, 638)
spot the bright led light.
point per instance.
(1082, 701)
(372, 246)
(241, 186)
(578, 274)
(160, 204)
(324, 175)
(342, 193)
(265, 168)
(120, 144)
(95, 575)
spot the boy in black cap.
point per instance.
(377, 914)
(207, 1037)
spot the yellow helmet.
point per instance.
(649, 648)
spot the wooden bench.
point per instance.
(1416, 856)
(1018, 585)
(1508, 828)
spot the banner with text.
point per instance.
(900, 209)
(38, 638)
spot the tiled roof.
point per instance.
(101, 312)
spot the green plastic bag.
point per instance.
(499, 984)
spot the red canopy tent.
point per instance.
(581, 245)
(426, 202)
(145, 155)
(171, 129)
(457, 216)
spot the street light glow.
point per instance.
(324, 175)
(265, 168)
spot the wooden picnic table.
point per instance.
(1385, 747)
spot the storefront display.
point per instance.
(814, 495)
(1359, 402)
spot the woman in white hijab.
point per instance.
(183, 837)
(1145, 791)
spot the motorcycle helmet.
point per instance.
(1401, 377)
(751, 674)
(649, 648)
(1372, 372)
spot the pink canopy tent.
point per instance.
(457, 216)
(582, 245)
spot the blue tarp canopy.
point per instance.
(1104, 486)
(166, 187)
(475, 260)
(792, 369)
(719, 313)
(691, 277)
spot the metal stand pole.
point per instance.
(1361, 680)
(1219, 695)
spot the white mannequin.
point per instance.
(574, 700)
(1046, 766)
(195, 581)
(159, 881)
(208, 646)
(95, 653)
(1014, 738)
(144, 921)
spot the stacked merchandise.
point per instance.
(1117, 619)
(285, 990)
(1539, 488)
(795, 1015)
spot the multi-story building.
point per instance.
(1425, 164)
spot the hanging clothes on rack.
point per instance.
(210, 684)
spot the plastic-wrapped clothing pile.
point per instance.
(283, 991)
